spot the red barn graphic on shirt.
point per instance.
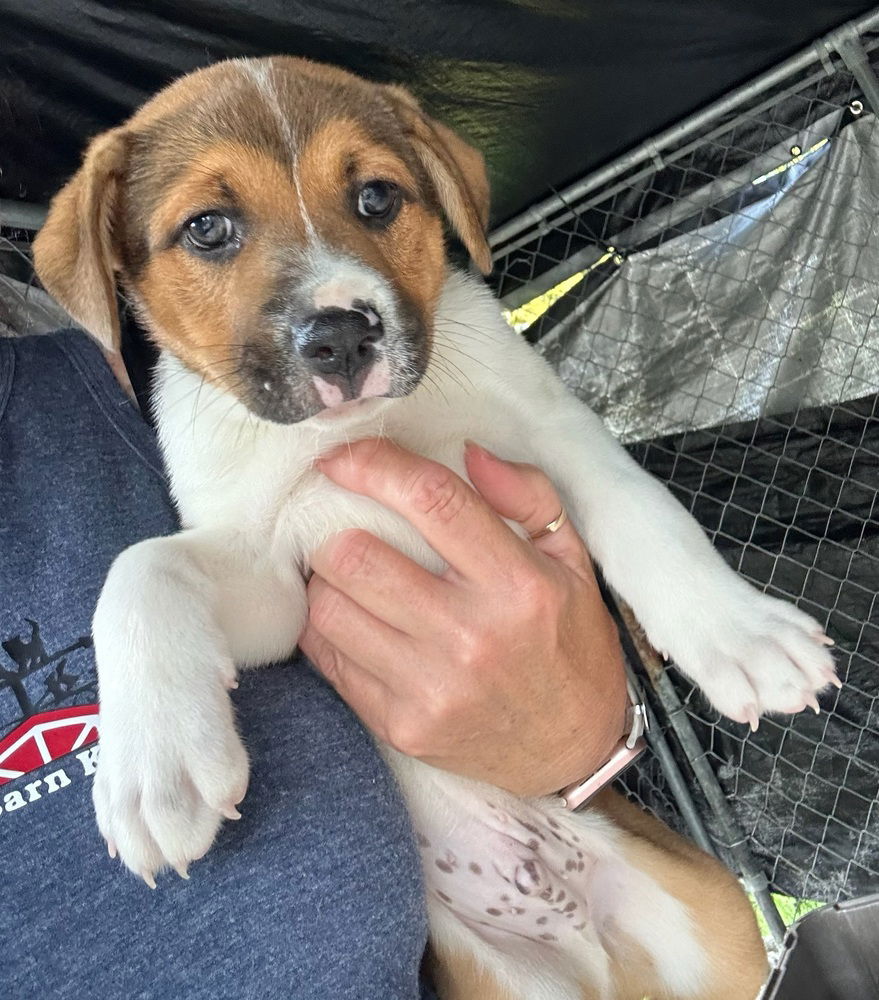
(46, 737)
(48, 701)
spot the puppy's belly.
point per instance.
(511, 874)
(529, 881)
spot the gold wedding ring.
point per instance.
(552, 527)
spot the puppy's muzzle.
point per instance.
(339, 342)
(342, 348)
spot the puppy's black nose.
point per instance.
(339, 341)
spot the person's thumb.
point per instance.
(524, 494)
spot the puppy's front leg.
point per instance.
(749, 652)
(174, 616)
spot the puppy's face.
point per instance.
(278, 225)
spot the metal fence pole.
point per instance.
(846, 41)
(652, 148)
(21, 214)
(735, 839)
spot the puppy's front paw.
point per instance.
(171, 766)
(754, 654)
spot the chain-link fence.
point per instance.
(714, 295)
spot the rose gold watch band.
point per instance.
(628, 750)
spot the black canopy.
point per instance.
(548, 89)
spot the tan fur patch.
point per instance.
(457, 977)
(73, 252)
(722, 915)
(198, 316)
(201, 309)
(175, 97)
(411, 251)
(263, 186)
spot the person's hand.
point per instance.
(507, 667)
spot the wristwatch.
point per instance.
(630, 747)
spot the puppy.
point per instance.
(279, 227)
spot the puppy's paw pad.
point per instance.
(166, 812)
(760, 656)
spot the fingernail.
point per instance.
(477, 449)
(230, 812)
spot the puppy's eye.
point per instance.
(210, 231)
(378, 201)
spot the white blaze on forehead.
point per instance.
(346, 289)
(338, 280)
(262, 76)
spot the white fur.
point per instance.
(261, 72)
(177, 613)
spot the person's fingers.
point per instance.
(369, 697)
(449, 514)
(384, 582)
(374, 646)
(524, 494)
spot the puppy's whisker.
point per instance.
(462, 371)
(455, 347)
(452, 372)
(470, 332)
(186, 396)
(192, 419)
(433, 385)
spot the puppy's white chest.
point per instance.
(315, 509)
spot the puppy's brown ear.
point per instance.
(457, 172)
(73, 252)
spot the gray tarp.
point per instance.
(762, 311)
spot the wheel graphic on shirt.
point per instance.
(46, 737)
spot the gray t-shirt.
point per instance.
(316, 893)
